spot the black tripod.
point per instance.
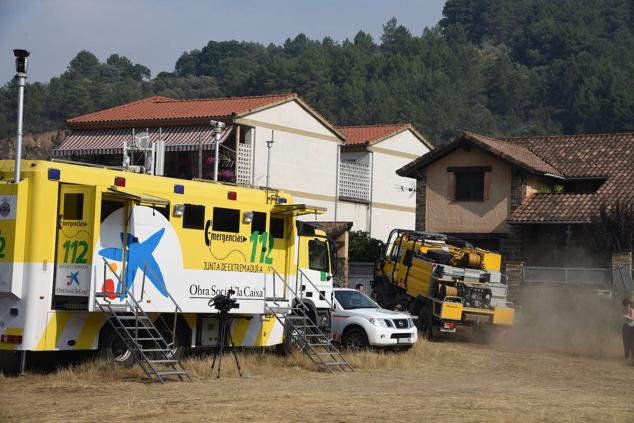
(223, 305)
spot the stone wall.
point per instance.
(511, 246)
(622, 259)
(421, 202)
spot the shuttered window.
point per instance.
(468, 183)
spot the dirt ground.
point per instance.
(443, 381)
(561, 361)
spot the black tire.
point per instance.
(112, 348)
(482, 334)
(378, 294)
(286, 347)
(355, 339)
(425, 322)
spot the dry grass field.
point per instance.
(443, 381)
(561, 366)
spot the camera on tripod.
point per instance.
(224, 303)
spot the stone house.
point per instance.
(531, 198)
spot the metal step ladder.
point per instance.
(149, 346)
(304, 332)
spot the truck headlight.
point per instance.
(379, 323)
(410, 323)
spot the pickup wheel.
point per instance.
(355, 340)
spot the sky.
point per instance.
(155, 33)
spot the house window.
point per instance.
(470, 186)
(469, 183)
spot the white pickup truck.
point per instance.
(358, 323)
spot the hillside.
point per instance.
(493, 66)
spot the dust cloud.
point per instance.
(576, 321)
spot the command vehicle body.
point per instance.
(443, 281)
(69, 231)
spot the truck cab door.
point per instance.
(74, 248)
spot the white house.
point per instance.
(371, 194)
(277, 141)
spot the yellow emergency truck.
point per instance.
(81, 246)
(444, 281)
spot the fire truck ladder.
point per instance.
(149, 346)
(303, 331)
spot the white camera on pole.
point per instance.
(216, 127)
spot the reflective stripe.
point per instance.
(89, 331)
(54, 329)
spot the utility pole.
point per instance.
(21, 63)
(269, 145)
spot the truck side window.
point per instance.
(164, 210)
(226, 220)
(258, 224)
(318, 255)
(194, 216)
(276, 227)
(73, 207)
(396, 253)
(108, 207)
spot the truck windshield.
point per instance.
(318, 255)
(350, 300)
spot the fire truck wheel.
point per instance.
(112, 348)
(425, 322)
(355, 339)
(482, 334)
(378, 294)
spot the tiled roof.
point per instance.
(556, 207)
(515, 154)
(580, 156)
(371, 134)
(567, 157)
(164, 109)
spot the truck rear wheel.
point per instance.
(112, 348)
(425, 322)
(482, 334)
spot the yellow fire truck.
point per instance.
(84, 245)
(444, 281)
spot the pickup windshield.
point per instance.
(351, 300)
